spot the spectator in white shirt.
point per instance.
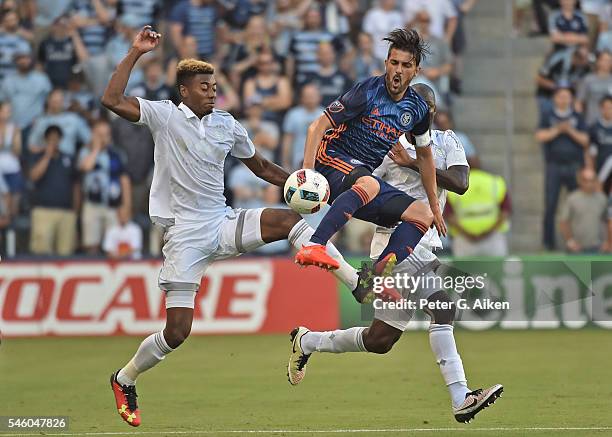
(442, 12)
(378, 21)
(124, 239)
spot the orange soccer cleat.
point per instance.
(385, 266)
(125, 396)
(316, 255)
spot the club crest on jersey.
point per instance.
(335, 106)
(406, 118)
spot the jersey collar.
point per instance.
(188, 112)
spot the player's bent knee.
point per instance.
(178, 326)
(419, 212)
(444, 312)
(369, 184)
(175, 335)
(379, 344)
(277, 223)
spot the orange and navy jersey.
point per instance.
(367, 122)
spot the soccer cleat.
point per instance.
(316, 255)
(296, 369)
(364, 292)
(385, 266)
(125, 397)
(475, 401)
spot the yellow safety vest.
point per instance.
(478, 209)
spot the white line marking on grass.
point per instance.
(311, 431)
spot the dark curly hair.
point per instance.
(407, 40)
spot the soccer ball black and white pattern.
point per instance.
(306, 191)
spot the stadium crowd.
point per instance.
(574, 93)
(76, 179)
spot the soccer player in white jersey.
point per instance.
(191, 144)
(400, 170)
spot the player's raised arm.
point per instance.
(114, 97)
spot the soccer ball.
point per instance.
(306, 191)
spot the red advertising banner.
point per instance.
(108, 298)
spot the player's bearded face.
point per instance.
(401, 68)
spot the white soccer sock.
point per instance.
(337, 342)
(151, 351)
(444, 348)
(300, 235)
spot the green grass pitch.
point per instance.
(553, 379)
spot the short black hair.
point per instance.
(53, 129)
(407, 40)
(605, 98)
(427, 93)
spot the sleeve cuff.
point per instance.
(331, 120)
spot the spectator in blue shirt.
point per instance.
(562, 133)
(118, 46)
(54, 198)
(270, 88)
(106, 186)
(295, 127)
(80, 100)
(74, 128)
(568, 27)
(48, 12)
(198, 18)
(331, 82)
(11, 43)
(154, 87)
(304, 45)
(147, 11)
(239, 12)
(57, 53)
(242, 56)
(600, 135)
(26, 90)
(92, 18)
(365, 64)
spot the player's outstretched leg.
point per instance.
(361, 193)
(379, 338)
(361, 282)
(280, 224)
(151, 351)
(416, 220)
(465, 402)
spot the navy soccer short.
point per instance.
(373, 211)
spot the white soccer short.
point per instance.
(420, 263)
(186, 256)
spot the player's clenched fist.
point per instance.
(146, 40)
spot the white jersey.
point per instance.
(189, 159)
(447, 151)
